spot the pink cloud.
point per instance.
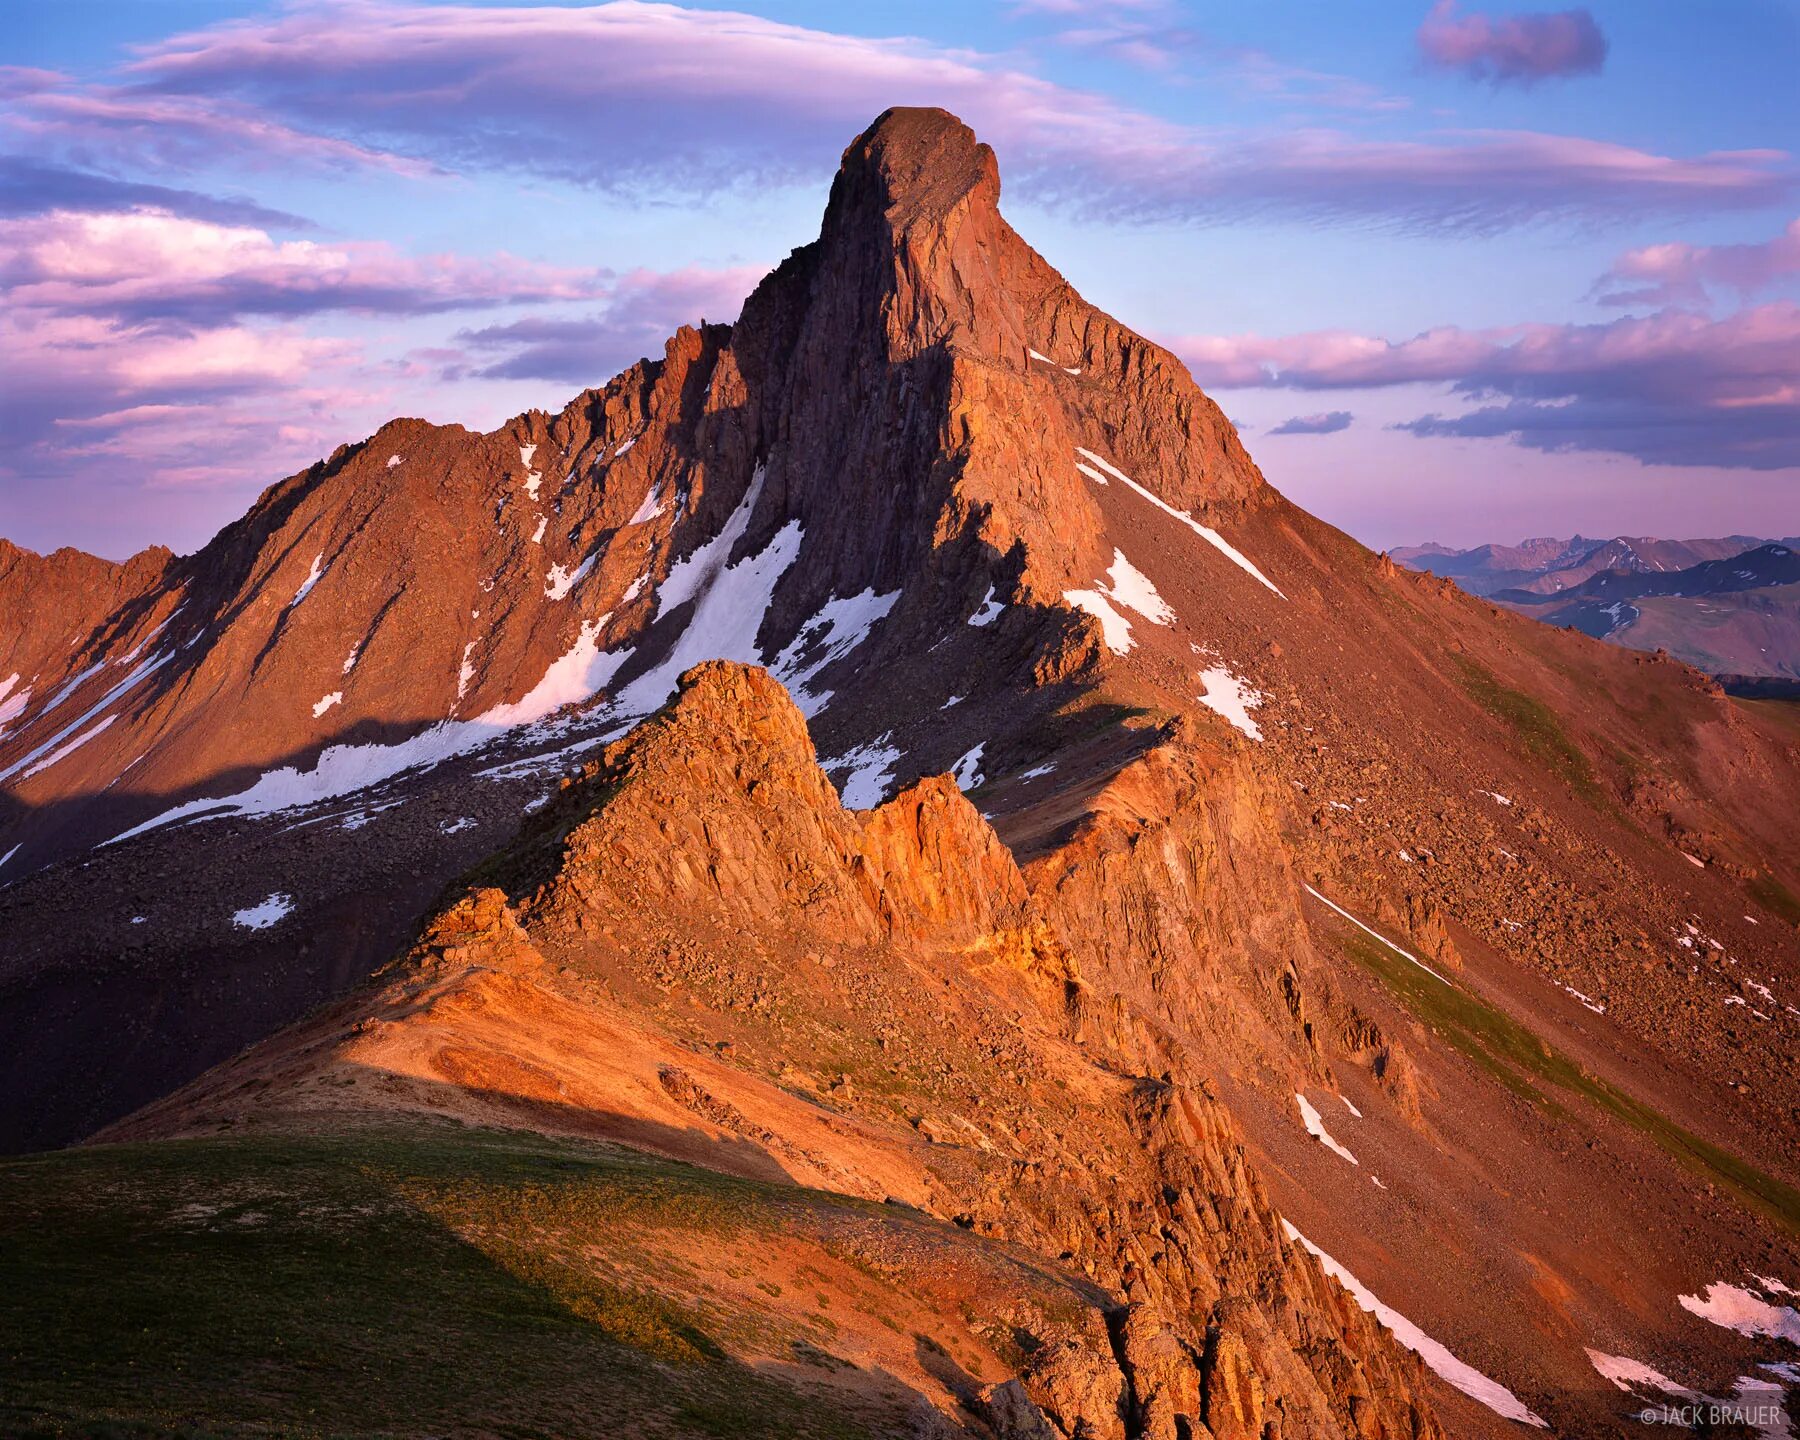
(657, 98)
(1521, 49)
(1681, 274)
(1675, 387)
(149, 263)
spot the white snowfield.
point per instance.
(730, 602)
(1205, 532)
(336, 697)
(1315, 1127)
(1226, 695)
(69, 748)
(1465, 1378)
(344, 769)
(840, 626)
(12, 706)
(264, 915)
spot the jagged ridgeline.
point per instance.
(872, 876)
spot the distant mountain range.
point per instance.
(1730, 606)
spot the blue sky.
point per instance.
(1489, 270)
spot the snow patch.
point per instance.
(458, 825)
(1735, 1308)
(1115, 629)
(537, 535)
(1037, 771)
(336, 697)
(12, 706)
(989, 609)
(1230, 697)
(1205, 532)
(1465, 1378)
(559, 582)
(1351, 1108)
(313, 576)
(351, 659)
(533, 478)
(261, 917)
(871, 768)
(1092, 473)
(840, 626)
(968, 769)
(1315, 1127)
(649, 508)
(1132, 589)
(393, 460)
(1629, 1374)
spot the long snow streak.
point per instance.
(1404, 954)
(1205, 532)
(1465, 1378)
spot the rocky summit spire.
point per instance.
(914, 166)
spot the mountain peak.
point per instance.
(914, 165)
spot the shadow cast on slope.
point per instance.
(390, 1280)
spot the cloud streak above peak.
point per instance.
(655, 99)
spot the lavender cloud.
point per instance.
(30, 186)
(1326, 422)
(1675, 387)
(656, 99)
(1512, 49)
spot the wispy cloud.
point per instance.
(656, 99)
(1674, 388)
(1326, 422)
(1512, 49)
(641, 312)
